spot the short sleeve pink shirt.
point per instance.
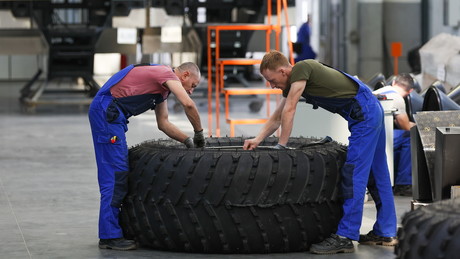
(144, 80)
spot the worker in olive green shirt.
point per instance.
(338, 92)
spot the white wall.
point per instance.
(21, 67)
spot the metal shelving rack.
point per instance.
(213, 31)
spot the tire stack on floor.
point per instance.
(431, 232)
(223, 199)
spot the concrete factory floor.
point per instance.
(49, 196)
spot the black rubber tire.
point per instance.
(231, 200)
(431, 232)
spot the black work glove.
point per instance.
(189, 142)
(198, 139)
(279, 146)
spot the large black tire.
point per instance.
(431, 232)
(222, 199)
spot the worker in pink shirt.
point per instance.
(132, 91)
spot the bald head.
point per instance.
(191, 67)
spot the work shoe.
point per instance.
(402, 190)
(333, 245)
(117, 244)
(373, 239)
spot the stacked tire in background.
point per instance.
(431, 232)
(223, 199)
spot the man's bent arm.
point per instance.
(273, 122)
(402, 120)
(189, 105)
(161, 112)
(287, 117)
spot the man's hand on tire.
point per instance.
(250, 144)
(198, 139)
(189, 142)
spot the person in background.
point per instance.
(302, 46)
(130, 92)
(402, 86)
(337, 92)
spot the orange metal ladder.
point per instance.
(245, 91)
(219, 64)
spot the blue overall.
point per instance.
(402, 157)
(303, 37)
(108, 118)
(366, 161)
(401, 154)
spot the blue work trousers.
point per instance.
(366, 159)
(402, 157)
(112, 163)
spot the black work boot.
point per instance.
(402, 190)
(373, 239)
(333, 245)
(117, 244)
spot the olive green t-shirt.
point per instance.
(322, 80)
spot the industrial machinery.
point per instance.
(71, 31)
